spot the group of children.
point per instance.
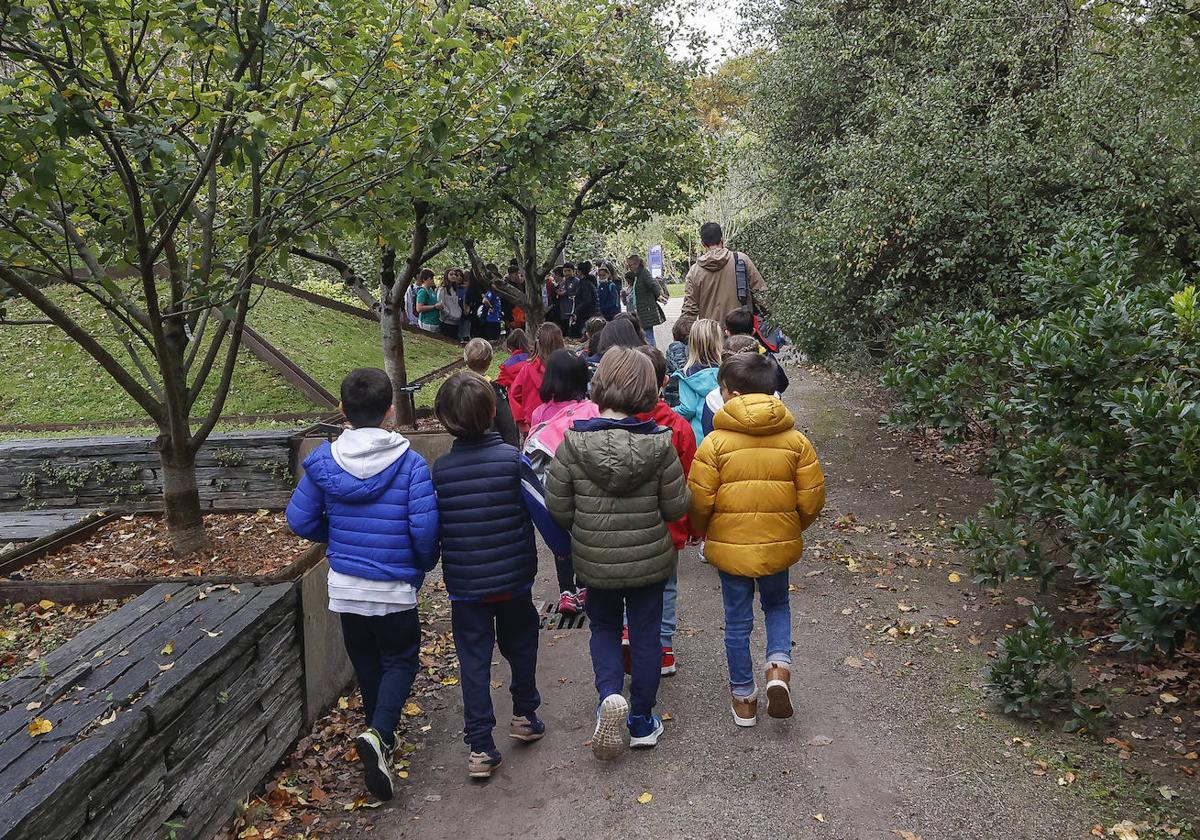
(614, 479)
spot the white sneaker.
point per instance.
(608, 741)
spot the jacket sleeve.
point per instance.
(810, 484)
(687, 399)
(306, 511)
(673, 495)
(690, 307)
(534, 498)
(423, 515)
(753, 278)
(516, 394)
(704, 481)
(560, 489)
(504, 424)
(685, 445)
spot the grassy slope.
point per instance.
(47, 378)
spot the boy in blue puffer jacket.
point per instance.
(370, 497)
(490, 501)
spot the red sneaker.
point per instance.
(626, 655)
(668, 662)
(568, 603)
(581, 597)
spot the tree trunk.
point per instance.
(181, 497)
(534, 279)
(392, 318)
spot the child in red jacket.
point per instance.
(524, 395)
(684, 440)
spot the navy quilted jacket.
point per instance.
(382, 527)
(489, 501)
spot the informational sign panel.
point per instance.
(656, 261)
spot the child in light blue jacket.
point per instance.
(699, 375)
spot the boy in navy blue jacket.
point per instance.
(370, 497)
(489, 503)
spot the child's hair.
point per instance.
(619, 332)
(593, 326)
(740, 322)
(366, 397)
(625, 382)
(584, 268)
(426, 274)
(548, 338)
(704, 344)
(748, 373)
(566, 378)
(631, 318)
(682, 328)
(466, 405)
(517, 340)
(657, 359)
(740, 344)
(478, 355)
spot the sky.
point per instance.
(720, 21)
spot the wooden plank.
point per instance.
(28, 525)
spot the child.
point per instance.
(699, 375)
(608, 293)
(478, 356)
(677, 352)
(492, 314)
(755, 467)
(684, 442)
(369, 496)
(740, 322)
(615, 483)
(489, 502)
(564, 391)
(713, 403)
(591, 339)
(427, 306)
(525, 393)
(518, 354)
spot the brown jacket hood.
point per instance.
(715, 259)
(710, 290)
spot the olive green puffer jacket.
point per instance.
(615, 485)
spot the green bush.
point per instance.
(1033, 671)
(1094, 410)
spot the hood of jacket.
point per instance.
(755, 414)
(619, 455)
(359, 465)
(714, 259)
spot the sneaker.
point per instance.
(481, 764)
(644, 730)
(376, 760)
(581, 597)
(779, 695)
(745, 709)
(568, 603)
(668, 662)
(626, 651)
(608, 741)
(528, 728)
(703, 559)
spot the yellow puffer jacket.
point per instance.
(756, 485)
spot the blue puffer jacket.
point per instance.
(693, 389)
(371, 498)
(489, 501)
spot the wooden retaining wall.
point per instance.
(162, 716)
(236, 471)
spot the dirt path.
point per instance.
(892, 733)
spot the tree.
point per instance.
(155, 153)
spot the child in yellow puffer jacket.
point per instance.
(756, 485)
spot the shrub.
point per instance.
(1033, 672)
(1094, 409)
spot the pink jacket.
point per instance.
(551, 427)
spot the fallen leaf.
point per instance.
(954, 577)
(853, 662)
(820, 741)
(450, 681)
(1066, 779)
(39, 726)
(166, 667)
(109, 718)
(906, 608)
(343, 703)
(45, 605)
(1124, 830)
(212, 634)
(975, 640)
(819, 817)
(1024, 602)
(29, 707)
(667, 716)
(1167, 792)
(905, 835)
(168, 649)
(411, 709)
(1168, 697)
(646, 798)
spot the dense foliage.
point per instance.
(915, 150)
(1094, 405)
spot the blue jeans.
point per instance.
(738, 594)
(644, 608)
(650, 337)
(670, 595)
(384, 650)
(478, 626)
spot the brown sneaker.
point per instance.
(779, 696)
(745, 709)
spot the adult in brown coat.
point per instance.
(710, 290)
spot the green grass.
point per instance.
(47, 378)
(675, 289)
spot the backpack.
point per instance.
(766, 330)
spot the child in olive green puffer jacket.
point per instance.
(615, 482)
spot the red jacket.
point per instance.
(525, 394)
(684, 441)
(510, 367)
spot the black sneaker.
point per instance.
(376, 760)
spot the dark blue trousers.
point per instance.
(643, 607)
(384, 651)
(478, 627)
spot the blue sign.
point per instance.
(656, 261)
